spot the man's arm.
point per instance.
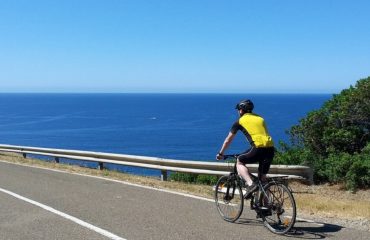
(225, 145)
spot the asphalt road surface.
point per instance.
(45, 204)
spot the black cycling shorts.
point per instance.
(263, 156)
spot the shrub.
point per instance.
(294, 155)
(194, 178)
(341, 125)
(335, 140)
(206, 179)
(351, 169)
(183, 177)
(358, 174)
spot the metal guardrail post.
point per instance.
(24, 155)
(101, 166)
(56, 160)
(163, 175)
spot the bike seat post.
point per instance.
(235, 168)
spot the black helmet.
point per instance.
(245, 105)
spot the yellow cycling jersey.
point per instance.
(254, 127)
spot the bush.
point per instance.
(194, 178)
(341, 125)
(358, 175)
(294, 155)
(334, 168)
(206, 179)
(183, 177)
(351, 169)
(335, 140)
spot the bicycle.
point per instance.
(273, 200)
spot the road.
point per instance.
(38, 204)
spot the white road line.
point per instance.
(134, 185)
(309, 221)
(69, 217)
(117, 181)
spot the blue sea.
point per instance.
(174, 126)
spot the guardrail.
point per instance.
(196, 167)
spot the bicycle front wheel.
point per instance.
(278, 209)
(229, 198)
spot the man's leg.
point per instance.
(262, 177)
(248, 157)
(265, 163)
(244, 172)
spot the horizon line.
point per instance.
(215, 93)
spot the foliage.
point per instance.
(193, 178)
(294, 155)
(335, 140)
(341, 125)
(182, 177)
(353, 170)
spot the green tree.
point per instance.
(341, 125)
(335, 140)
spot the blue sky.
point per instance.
(192, 46)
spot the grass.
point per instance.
(317, 200)
(333, 201)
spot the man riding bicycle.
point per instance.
(262, 147)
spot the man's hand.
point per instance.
(219, 156)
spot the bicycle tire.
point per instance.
(278, 210)
(229, 198)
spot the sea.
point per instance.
(171, 126)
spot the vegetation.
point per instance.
(194, 178)
(334, 140)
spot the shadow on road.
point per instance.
(320, 231)
(302, 229)
(250, 222)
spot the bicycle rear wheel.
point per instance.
(229, 198)
(278, 209)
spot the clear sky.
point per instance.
(195, 46)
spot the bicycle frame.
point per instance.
(235, 173)
(266, 200)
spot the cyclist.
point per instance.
(262, 147)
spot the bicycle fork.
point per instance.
(228, 196)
